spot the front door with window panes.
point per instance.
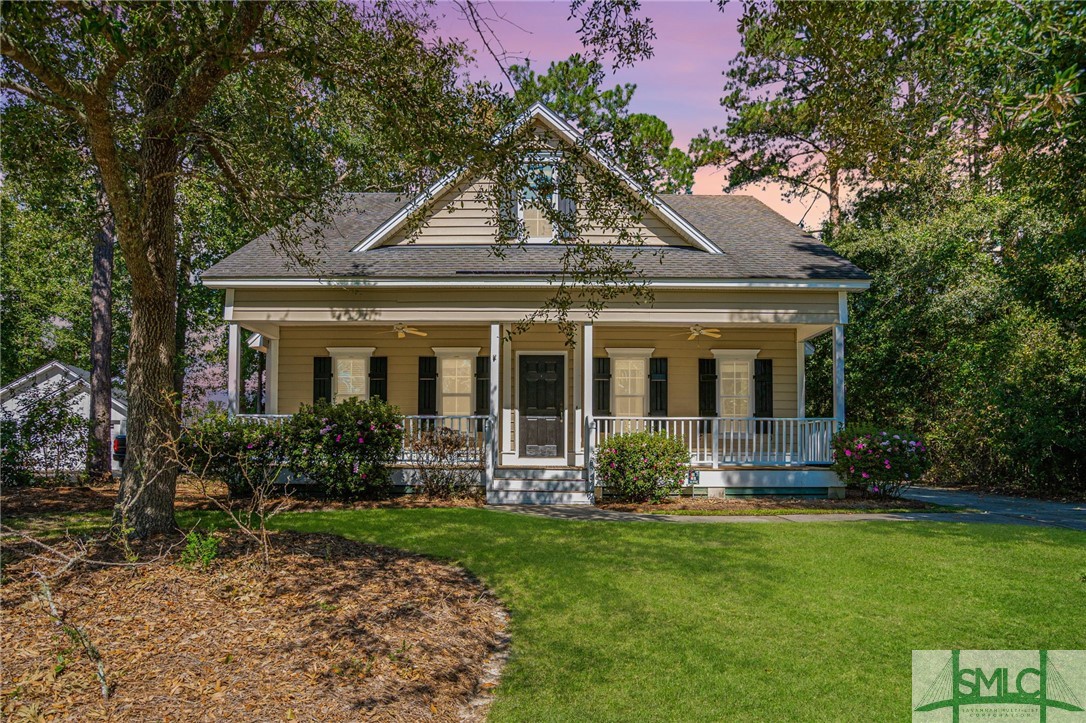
(541, 392)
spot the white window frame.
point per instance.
(641, 353)
(731, 356)
(541, 159)
(456, 352)
(365, 353)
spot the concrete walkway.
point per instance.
(976, 508)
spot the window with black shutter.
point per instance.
(428, 385)
(658, 387)
(379, 377)
(601, 386)
(322, 379)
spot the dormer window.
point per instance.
(540, 189)
(526, 206)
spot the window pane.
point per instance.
(455, 376)
(350, 378)
(733, 407)
(630, 376)
(456, 405)
(537, 224)
(540, 187)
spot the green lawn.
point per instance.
(657, 621)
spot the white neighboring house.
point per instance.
(69, 383)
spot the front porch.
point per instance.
(533, 409)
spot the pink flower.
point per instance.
(848, 452)
(866, 475)
(361, 440)
(338, 436)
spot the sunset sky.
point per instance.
(681, 83)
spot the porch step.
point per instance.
(537, 497)
(539, 473)
(538, 485)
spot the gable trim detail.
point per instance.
(571, 135)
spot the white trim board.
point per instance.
(513, 282)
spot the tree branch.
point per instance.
(54, 102)
(55, 82)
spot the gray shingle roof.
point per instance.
(757, 242)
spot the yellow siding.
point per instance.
(299, 344)
(682, 355)
(463, 216)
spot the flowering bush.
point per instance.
(877, 460)
(346, 448)
(642, 466)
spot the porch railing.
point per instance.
(716, 441)
(468, 436)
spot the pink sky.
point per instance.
(681, 83)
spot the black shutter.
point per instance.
(601, 386)
(508, 218)
(763, 387)
(379, 377)
(567, 219)
(427, 385)
(707, 387)
(658, 387)
(322, 379)
(482, 385)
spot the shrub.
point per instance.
(642, 466)
(200, 549)
(442, 471)
(346, 448)
(878, 461)
(247, 456)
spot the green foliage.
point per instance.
(879, 460)
(971, 334)
(247, 456)
(200, 549)
(45, 440)
(642, 466)
(346, 448)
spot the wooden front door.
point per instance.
(541, 396)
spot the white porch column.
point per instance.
(272, 378)
(587, 401)
(801, 379)
(508, 448)
(233, 369)
(493, 442)
(579, 430)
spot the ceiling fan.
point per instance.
(697, 330)
(402, 330)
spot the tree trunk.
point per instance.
(835, 196)
(99, 463)
(145, 503)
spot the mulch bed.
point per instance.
(756, 505)
(191, 495)
(334, 631)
